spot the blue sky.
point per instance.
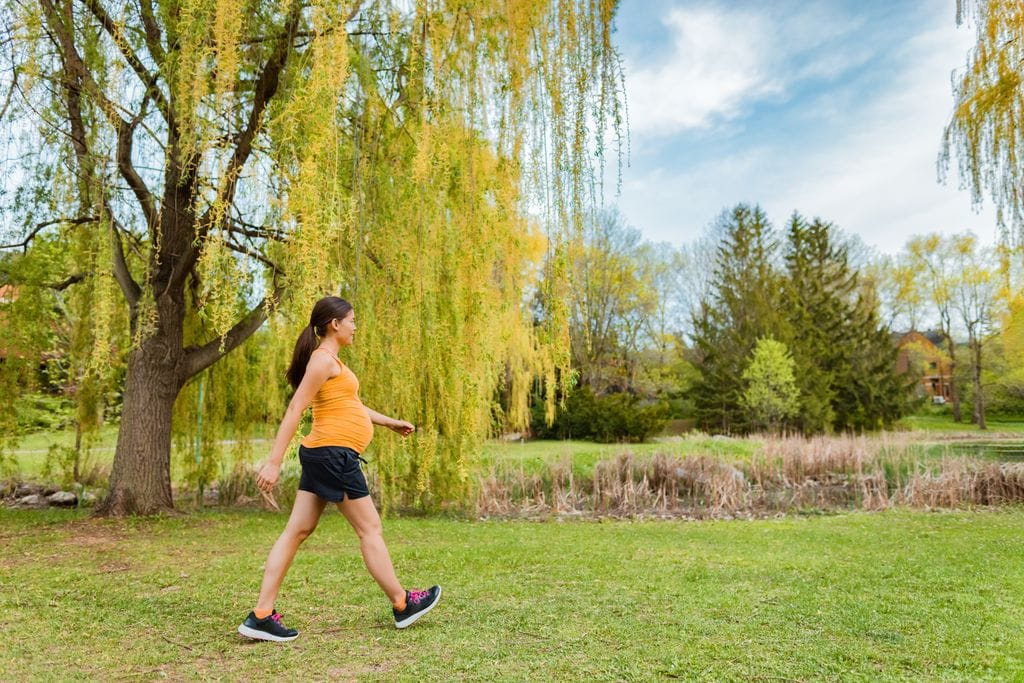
(832, 108)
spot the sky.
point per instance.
(833, 108)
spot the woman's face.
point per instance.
(346, 328)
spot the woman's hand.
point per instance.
(267, 477)
(402, 427)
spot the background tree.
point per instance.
(974, 298)
(771, 394)
(933, 257)
(207, 164)
(871, 395)
(742, 307)
(613, 296)
(817, 295)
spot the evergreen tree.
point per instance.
(742, 306)
(844, 358)
(870, 394)
(817, 293)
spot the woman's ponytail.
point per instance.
(304, 347)
(324, 311)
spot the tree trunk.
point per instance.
(953, 393)
(140, 483)
(979, 399)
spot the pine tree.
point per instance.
(742, 306)
(845, 360)
(817, 293)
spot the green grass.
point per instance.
(858, 597)
(944, 423)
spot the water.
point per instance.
(1003, 451)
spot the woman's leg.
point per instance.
(303, 520)
(362, 515)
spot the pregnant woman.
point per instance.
(331, 472)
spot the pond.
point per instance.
(1003, 451)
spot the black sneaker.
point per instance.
(417, 603)
(269, 628)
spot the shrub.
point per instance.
(609, 418)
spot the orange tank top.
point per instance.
(339, 417)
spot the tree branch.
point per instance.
(252, 253)
(237, 226)
(121, 41)
(129, 287)
(67, 282)
(199, 358)
(152, 31)
(74, 64)
(42, 226)
(266, 87)
(125, 136)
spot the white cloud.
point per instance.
(719, 62)
(725, 60)
(878, 178)
(866, 160)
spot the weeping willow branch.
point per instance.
(121, 41)
(129, 287)
(199, 358)
(42, 226)
(252, 253)
(240, 227)
(266, 86)
(152, 31)
(67, 282)
(82, 76)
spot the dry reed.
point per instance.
(789, 474)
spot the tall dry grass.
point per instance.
(789, 474)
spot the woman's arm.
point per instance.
(401, 426)
(318, 370)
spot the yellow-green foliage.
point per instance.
(986, 128)
(426, 160)
(418, 216)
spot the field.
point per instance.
(863, 596)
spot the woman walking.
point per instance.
(331, 472)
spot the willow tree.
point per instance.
(986, 130)
(218, 163)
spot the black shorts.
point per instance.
(332, 472)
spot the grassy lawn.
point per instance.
(944, 423)
(889, 596)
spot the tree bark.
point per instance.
(979, 398)
(953, 393)
(140, 483)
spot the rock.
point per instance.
(27, 490)
(63, 499)
(88, 498)
(34, 500)
(50, 489)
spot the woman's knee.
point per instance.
(369, 529)
(301, 532)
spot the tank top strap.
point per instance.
(340, 364)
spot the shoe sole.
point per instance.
(263, 635)
(412, 620)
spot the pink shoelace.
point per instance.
(417, 596)
(276, 617)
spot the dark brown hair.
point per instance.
(324, 311)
